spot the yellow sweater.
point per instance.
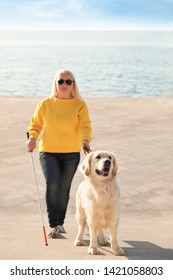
(64, 124)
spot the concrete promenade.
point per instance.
(140, 133)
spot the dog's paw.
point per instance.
(103, 242)
(119, 251)
(78, 242)
(92, 251)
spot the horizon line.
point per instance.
(91, 30)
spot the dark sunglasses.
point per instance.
(68, 82)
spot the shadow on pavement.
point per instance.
(144, 250)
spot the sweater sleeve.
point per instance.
(85, 129)
(36, 123)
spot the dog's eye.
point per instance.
(110, 157)
(98, 157)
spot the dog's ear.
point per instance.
(85, 166)
(114, 170)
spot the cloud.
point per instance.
(85, 14)
(54, 9)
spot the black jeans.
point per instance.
(58, 170)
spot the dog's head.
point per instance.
(99, 164)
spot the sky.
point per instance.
(86, 14)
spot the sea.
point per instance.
(105, 63)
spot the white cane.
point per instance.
(38, 196)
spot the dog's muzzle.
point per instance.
(105, 170)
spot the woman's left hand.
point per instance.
(86, 146)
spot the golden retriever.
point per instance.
(98, 201)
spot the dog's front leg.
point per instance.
(113, 240)
(79, 237)
(92, 250)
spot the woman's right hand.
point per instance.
(31, 145)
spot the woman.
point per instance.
(64, 124)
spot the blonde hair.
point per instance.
(75, 91)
